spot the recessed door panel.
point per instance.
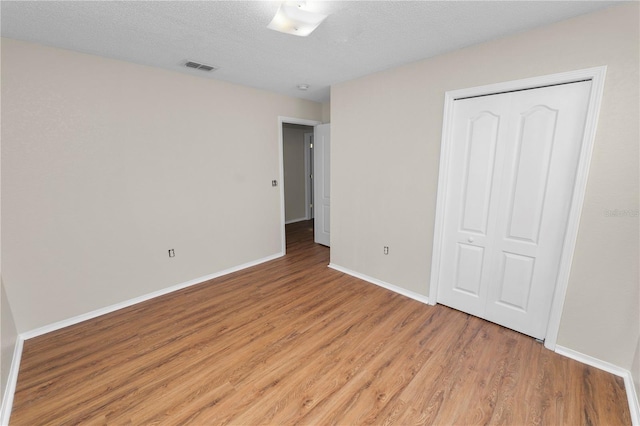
(515, 282)
(535, 137)
(469, 269)
(326, 216)
(480, 157)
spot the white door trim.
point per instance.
(597, 77)
(289, 120)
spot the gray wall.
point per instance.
(107, 165)
(8, 331)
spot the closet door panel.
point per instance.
(542, 149)
(471, 201)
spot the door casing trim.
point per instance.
(597, 77)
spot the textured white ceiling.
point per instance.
(358, 37)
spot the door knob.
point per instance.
(470, 239)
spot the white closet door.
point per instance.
(513, 173)
(471, 188)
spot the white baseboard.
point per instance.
(106, 310)
(295, 220)
(12, 380)
(410, 294)
(589, 360)
(632, 397)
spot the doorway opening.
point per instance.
(297, 151)
(296, 171)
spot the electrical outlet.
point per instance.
(172, 253)
(386, 250)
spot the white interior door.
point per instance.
(308, 170)
(511, 178)
(321, 183)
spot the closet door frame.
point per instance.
(596, 76)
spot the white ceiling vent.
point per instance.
(199, 66)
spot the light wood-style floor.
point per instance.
(294, 342)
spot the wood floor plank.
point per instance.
(294, 342)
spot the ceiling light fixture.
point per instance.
(294, 18)
(303, 87)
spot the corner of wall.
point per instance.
(630, 382)
(635, 375)
(326, 112)
(10, 358)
